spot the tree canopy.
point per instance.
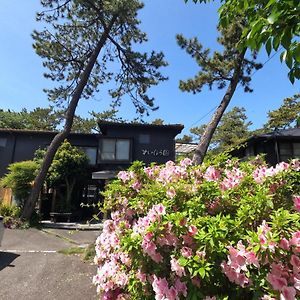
(87, 43)
(224, 69)
(270, 23)
(232, 130)
(286, 116)
(37, 119)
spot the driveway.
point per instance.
(32, 269)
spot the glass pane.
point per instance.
(285, 149)
(296, 149)
(123, 147)
(91, 154)
(107, 156)
(108, 145)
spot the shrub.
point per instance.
(224, 231)
(19, 179)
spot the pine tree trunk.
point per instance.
(202, 147)
(60, 137)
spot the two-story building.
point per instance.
(113, 149)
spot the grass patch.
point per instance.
(89, 253)
(86, 253)
(72, 251)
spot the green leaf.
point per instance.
(289, 59)
(273, 17)
(271, 2)
(297, 73)
(283, 56)
(182, 261)
(202, 272)
(269, 46)
(291, 77)
(296, 53)
(276, 42)
(286, 39)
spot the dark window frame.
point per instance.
(114, 161)
(291, 149)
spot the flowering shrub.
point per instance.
(225, 231)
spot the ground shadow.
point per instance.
(6, 258)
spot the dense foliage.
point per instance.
(224, 230)
(19, 178)
(270, 23)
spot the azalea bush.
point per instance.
(222, 230)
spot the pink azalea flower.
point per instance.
(296, 280)
(295, 241)
(141, 276)
(186, 162)
(288, 293)
(136, 186)
(187, 240)
(160, 209)
(295, 164)
(160, 287)
(171, 294)
(177, 268)
(201, 254)
(295, 262)
(186, 252)
(297, 203)
(267, 297)
(123, 176)
(212, 174)
(284, 244)
(181, 287)
(192, 230)
(277, 282)
(171, 192)
(210, 298)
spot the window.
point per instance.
(3, 142)
(91, 153)
(289, 150)
(144, 138)
(114, 150)
(296, 150)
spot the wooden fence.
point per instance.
(6, 195)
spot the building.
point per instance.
(279, 145)
(113, 149)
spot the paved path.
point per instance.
(31, 268)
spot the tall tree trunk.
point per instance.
(212, 125)
(59, 138)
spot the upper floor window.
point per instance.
(144, 138)
(114, 150)
(3, 142)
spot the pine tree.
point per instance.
(285, 116)
(231, 131)
(224, 69)
(83, 45)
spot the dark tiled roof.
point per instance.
(106, 124)
(291, 132)
(48, 132)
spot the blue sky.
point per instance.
(22, 81)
